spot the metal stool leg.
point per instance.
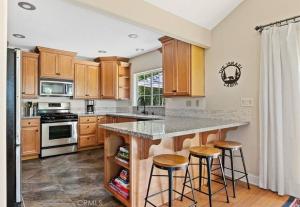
(208, 165)
(185, 177)
(191, 183)
(223, 158)
(149, 183)
(232, 172)
(224, 179)
(244, 165)
(200, 173)
(170, 176)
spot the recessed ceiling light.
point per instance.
(139, 49)
(19, 36)
(102, 51)
(133, 36)
(26, 5)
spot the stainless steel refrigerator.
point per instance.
(13, 127)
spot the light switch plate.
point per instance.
(247, 102)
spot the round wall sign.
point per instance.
(231, 73)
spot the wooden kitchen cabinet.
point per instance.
(87, 75)
(183, 68)
(100, 133)
(30, 138)
(115, 78)
(56, 64)
(29, 75)
(87, 132)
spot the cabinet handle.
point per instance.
(57, 73)
(37, 130)
(87, 95)
(88, 120)
(23, 92)
(29, 123)
(88, 126)
(174, 90)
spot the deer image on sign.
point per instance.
(231, 73)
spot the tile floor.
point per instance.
(74, 180)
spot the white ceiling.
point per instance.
(205, 13)
(63, 25)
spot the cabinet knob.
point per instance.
(29, 123)
(88, 126)
(88, 120)
(23, 92)
(37, 130)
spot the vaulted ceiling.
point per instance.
(205, 13)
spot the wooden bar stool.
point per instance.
(208, 154)
(231, 147)
(171, 163)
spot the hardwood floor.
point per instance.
(255, 197)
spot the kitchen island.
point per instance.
(145, 139)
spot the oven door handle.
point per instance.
(60, 123)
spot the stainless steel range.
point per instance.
(58, 129)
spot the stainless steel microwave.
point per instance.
(56, 88)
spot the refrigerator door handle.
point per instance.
(18, 97)
(18, 174)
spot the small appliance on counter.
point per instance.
(89, 106)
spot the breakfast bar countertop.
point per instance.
(123, 114)
(171, 127)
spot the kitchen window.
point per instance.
(149, 88)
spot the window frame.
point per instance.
(136, 94)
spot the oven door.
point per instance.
(54, 134)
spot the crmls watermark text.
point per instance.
(89, 203)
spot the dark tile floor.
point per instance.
(74, 180)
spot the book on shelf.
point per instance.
(123, 154)
(120, 183)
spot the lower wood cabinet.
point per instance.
(100, 133)
(30, 137)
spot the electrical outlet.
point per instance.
(247, 102)
(188, 103)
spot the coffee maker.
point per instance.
(90, 106)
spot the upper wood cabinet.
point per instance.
(56, 64)
(183, 68)
(87, 76)
(29, 75)
(115, 78)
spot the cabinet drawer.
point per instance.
(87, 141)
(87, 119)
(30, 122)
(85, 129)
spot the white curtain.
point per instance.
(280, 110)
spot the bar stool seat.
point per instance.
(170, 163)
(228, 145)
(170, 160)
(205, 151)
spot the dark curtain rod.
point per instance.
(280, 23)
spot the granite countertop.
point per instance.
(128, 115)
(30, 117)
(170, 127)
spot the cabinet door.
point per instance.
(29, 77)
(108, 79)
(169, 63)
(100, 133)
(65, 67)
(30, 141)
(80, 91)
(92, 81)
(48, 65)
(183, 69)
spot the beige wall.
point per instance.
(3, 40)
(149, 16)
(235, 39)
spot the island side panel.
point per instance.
(140, 171)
